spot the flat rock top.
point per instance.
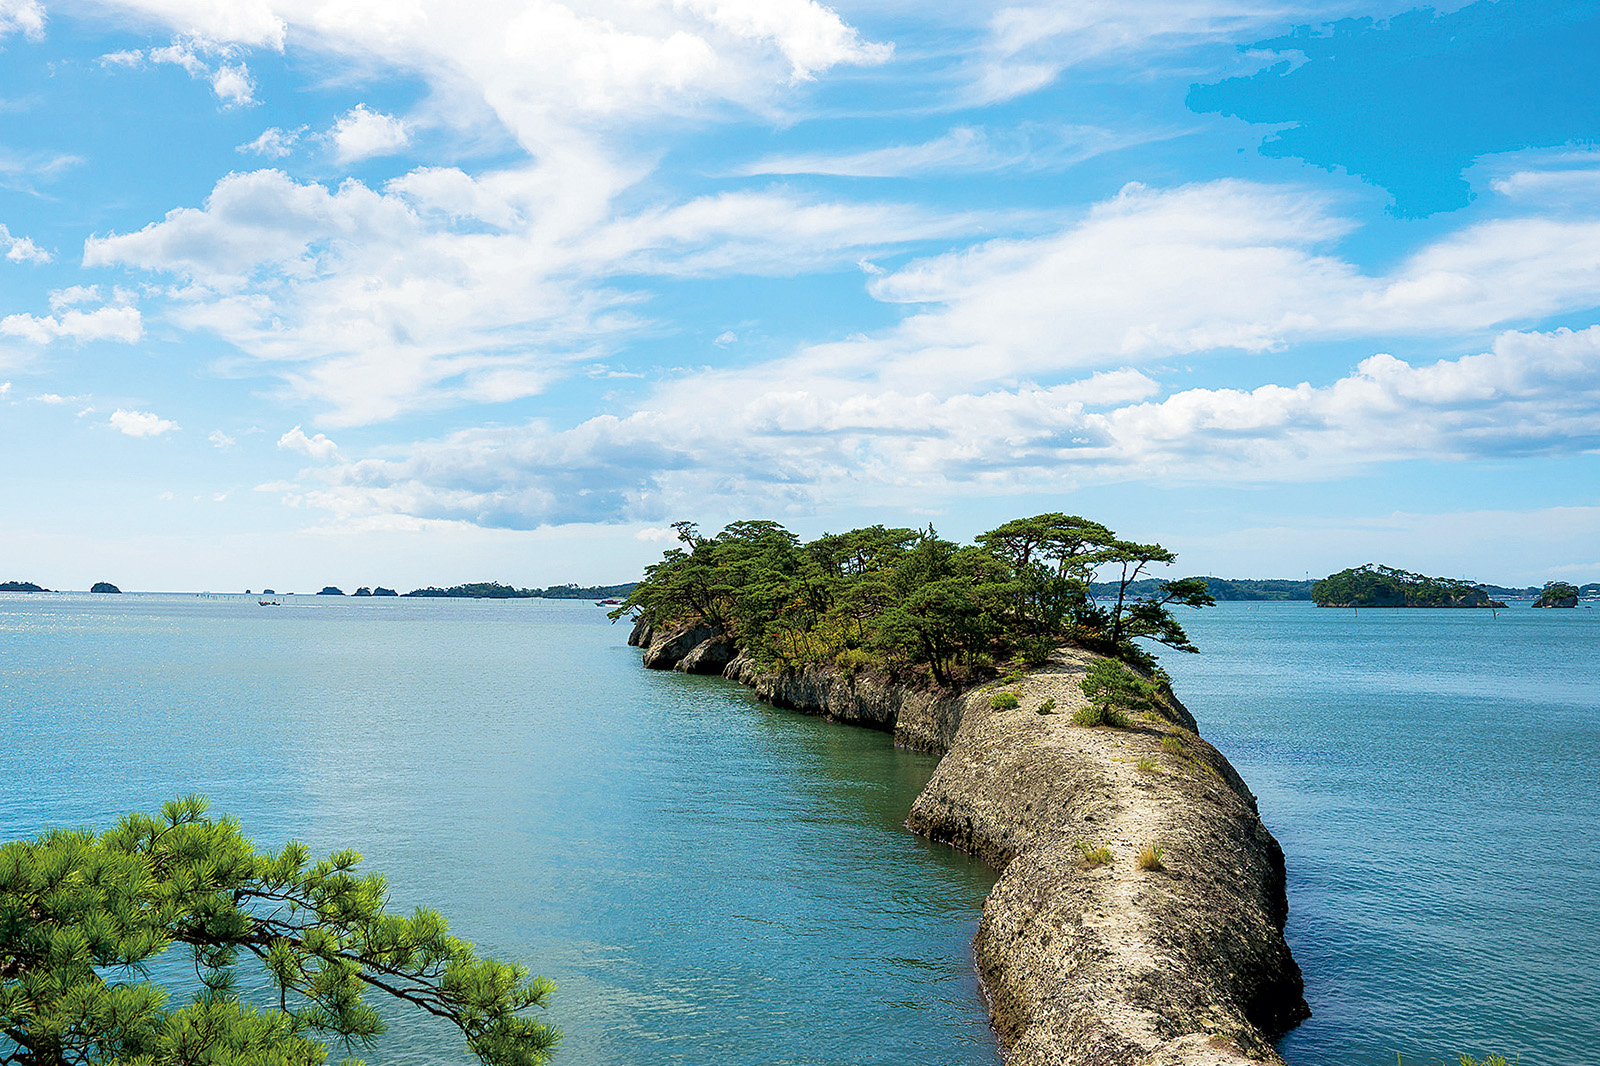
(1108, 962)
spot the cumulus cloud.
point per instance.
(21, 249)
(21, 16)
(210, 59)
(362, 133)
(140, 423)
(719, 441)
(116, 323)
(318, 447)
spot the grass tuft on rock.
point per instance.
(1094, 855)
(1150, 857)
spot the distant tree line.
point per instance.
(1221, 588)
(909, 601)
(493, 590)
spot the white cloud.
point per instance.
(5, 388)
(49, 398)
(362, 133)
(210, 59)
(725, 338)
(22, 16)
(73, 295)
(115, 323)
(140, 423)
(274, 143)
(730, 442)
(445, 288)
(233, 85)
(21, 249)
(964, 148)
(220, 439)
(1029, 44)
(318, 447)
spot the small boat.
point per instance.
(269, 603)
(608, 603)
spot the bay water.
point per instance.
(707, 880)
(710, 880)
(1434, 778)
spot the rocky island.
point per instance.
(21, 586)
(1382, 586)
(105, 587)
(1139, 914)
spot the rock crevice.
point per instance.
(1108, 964)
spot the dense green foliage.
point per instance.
(1557, 594)
(81, 916)
(908, 600)
(1381, 586)
(1113, 690)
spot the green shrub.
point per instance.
(1093, 714)
(1150, 857)
(851, 660)
(1147, 764)
(1092, 855)
(1113, 691)
(1047, 707)
(1004, 701)
(1172, 745)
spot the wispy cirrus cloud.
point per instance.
(962, 149)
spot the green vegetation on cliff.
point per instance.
(1382, 586)
(908, 600)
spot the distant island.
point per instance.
(1220, 588)
(493, 590)
(105, 586)
(331, 590)
(1373, 585)
(1557, 594)
(20, 586)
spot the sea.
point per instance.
(711, 881)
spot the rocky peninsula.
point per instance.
(1085, 961)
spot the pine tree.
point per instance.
(81, 916)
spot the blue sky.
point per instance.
(298, 292)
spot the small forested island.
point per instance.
(331, 590)
(1139, 913)
(1373, 585)
(1557, 594)
(21, 586)
(105, 586)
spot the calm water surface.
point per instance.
(709, 881)
(1434, 778)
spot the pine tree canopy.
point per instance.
(82, 916)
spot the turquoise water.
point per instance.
(1434, 778)
(709, 881)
